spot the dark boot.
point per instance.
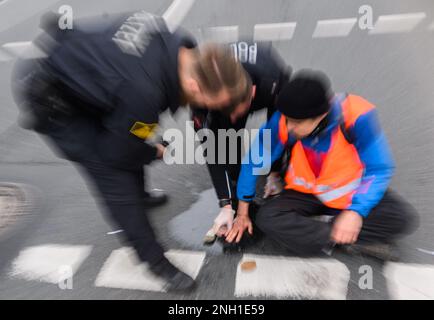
(155, 199)
(176, 280)
(382, 251)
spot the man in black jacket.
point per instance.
(267, 72)
(97, 97)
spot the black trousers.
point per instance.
(73, 133)
(287, 220)
(121, 193)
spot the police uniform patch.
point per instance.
(143, 130)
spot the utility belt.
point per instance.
(43, 100)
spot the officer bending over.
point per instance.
(97, 97)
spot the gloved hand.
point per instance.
(222, 224)
(223, 221)
(273, 186)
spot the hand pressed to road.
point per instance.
(241, 224)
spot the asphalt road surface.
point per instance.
(66, 236)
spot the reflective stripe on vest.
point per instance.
(339, 192)
(321, 190)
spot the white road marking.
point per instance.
(425, 251)
(293, 278)
(220, 34)
(409, 281)
(44, 263)
(116, 231)
(397, 23)
(177, 12)
(274, 31)
(334, 28)
(4, 56)
(17, 11)
(122, 270)
(24, 50)
(276, 277)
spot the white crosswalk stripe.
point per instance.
(177, 12)
(274, 31)
(410, 281)
(24, 50)
(274, 277)
(14, 12)
(385, 24)
(397, 23)
(280, 277)
(123, 271)
(220, 34)
(334, 28)
(47, 263)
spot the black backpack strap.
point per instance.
(344, 130)
(285, 158)
(346, 133)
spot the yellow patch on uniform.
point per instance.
(143, 130)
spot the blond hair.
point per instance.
(217, 69)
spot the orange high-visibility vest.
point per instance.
(342, 169)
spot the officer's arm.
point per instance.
(128, 129)
(219, 177)
(264, 151)
(374, 152)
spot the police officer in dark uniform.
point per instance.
(267, 72)
(97, 97)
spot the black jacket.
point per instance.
(124, 69)
(268, 72)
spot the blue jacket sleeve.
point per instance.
(265, 149)
(375, 154)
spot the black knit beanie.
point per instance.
(305, 96)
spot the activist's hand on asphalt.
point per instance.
(241, 224)
(346, 227)
(273, 186)
(223, 221)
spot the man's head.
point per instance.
(241, 106)
(305, 101)
(212, 78)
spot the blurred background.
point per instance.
(391, 65)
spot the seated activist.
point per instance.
(340, 165)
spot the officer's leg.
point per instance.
(153, 198)
(286, 220)
(391, 218)
(121, 192)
